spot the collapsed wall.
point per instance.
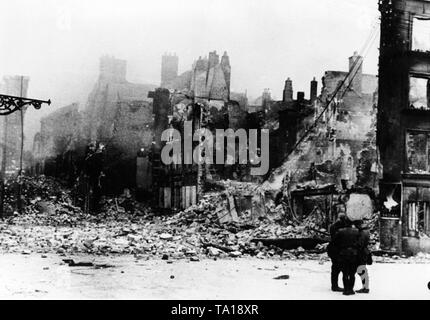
(341, 149)
(56, 146)
(119, 115)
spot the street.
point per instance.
(127, 277)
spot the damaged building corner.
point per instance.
(404, 125)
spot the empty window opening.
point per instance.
(421, 34)
(417, 148)
(419, 93)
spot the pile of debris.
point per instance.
(233, 222)
(218, 226)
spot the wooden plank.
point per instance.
(193, 195)
(232, 208)
(187, 196)
(178, 198)
(427, 219)
(167, 198)
(183, 197)
(222, 213)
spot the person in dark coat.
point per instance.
(333, 252)
(93, 170)
(364, 256)
(347, 240)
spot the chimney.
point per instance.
(314, 90)
(213, 59)
(288, 91)
(300, 96)
(266, 97)
(355, 68)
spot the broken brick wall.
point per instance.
(342, 145)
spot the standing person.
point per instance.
(93, 170)
(347, 240)
(84, 179)
(364, 256)
(333, 252)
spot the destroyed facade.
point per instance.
(404, 124)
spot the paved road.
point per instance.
(35, 277)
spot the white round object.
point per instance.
(359, 206)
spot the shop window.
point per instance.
(421, 34)
(417, 148)
(419, 93)
(418, 218)
(416, 210)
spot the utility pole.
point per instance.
(9, 105)
(3, 166)
(21, 151)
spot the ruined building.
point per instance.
(111, 89)
(175, 185)
(348, 125)
(56, 145)
(285, 119)
(207, 84)
(207, 101)
(403, 131)
(118, 114)
(169, 69)
(13, 86)
(325, 145)
(209, 77)
(121, 116)
(340, 148)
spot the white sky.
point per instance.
(57, 43)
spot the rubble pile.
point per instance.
(219, 226)
(52, 224)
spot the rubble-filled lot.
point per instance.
(52, 224)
